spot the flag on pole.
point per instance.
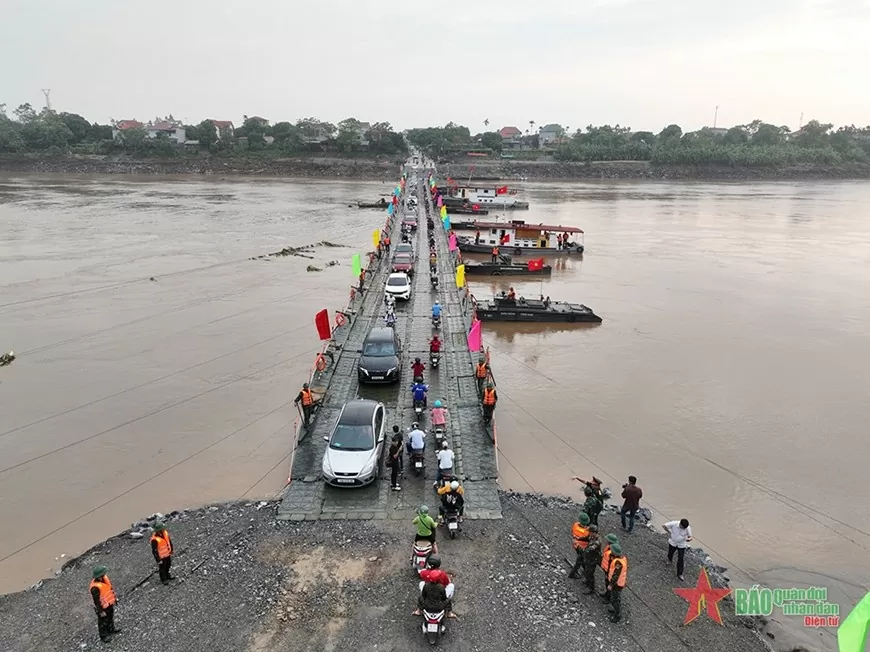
(390, 209)
(446, 222)
(440, 201)
(535, 265)
(451, 242)
(460, 276)
(501, 190)
(852, 634)
(443, 212)
(475, 336)
(376, 238)
(356, 265)
(321, 321)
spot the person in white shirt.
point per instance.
(679, 536)
(445, 461)
(416, 439)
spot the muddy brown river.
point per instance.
(729, 375)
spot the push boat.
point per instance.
(501, 308)
(465, 210)
(378, 204)
(504, 267)
(484, 195)
(516, 238)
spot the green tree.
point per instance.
(736, 136)
(647, 138)
(490, 140)
(78, 126)
(670, 135)
(10, 134)
(313, 128)
(25, 113)
(206, 133)
(348, 134)
(100, 132)
(814, 134)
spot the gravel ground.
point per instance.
(247, 582)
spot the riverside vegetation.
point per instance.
(50, 136)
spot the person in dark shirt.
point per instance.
(394, 459)
(632, 495)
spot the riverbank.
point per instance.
(385, 169)
(249, 582)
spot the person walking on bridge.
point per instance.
(161, 548)
(490, 398)
(394, 459)
(306, 398)
(481, 371)
(104, 599)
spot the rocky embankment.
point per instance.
(248, 582)
(383, 169)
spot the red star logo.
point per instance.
(703, 594)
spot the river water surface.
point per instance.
(730, 373)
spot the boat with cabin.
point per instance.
(503, 308)
(484, 195)
(381, 203)
(504, 267)
(517, 238)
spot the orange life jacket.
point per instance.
(489, 396)
(107, 595)
(481, 370)
(580, 535)
(605, 559)
(164, 544)
(387, 241)
(622, 575)
(307, 397)
(495, 251)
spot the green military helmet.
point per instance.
(616, 549)
(99, 571)
(482, 360)
(159, 527)
(587, 491)
(612, 539)
(584, 518)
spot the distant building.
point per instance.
(123, 125)
(260, 121)
(362, 133)
(175, 132)
(224, 129)
(716, 131)
(551, 135)
(511, 138)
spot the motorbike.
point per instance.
(418, 460)
(436, 321)
(434, 358)
(434, 280)
(418, 406)
(451, 521)
(421, 554)
(439, 432)
(433, 626)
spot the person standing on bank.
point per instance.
(679, 536)
(632, 495)
(591, 559)
(161, 548)
(306, 398)
(104, 599)
(616, 578)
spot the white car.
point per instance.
(353, 453)
(399, 286)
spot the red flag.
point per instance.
(321, 321)
(535, 265)
(501, 190)
(475, 207)
(505, 238)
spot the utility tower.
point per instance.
(47, 93)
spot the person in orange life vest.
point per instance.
(104, 599)
(511, 295)
(481, 371)
(306, 398)
(607, 554)
(616, 579)
(494, 255)
(387, 243)
(161, 548)
(490, 398)
(579, 539)
(477, 237)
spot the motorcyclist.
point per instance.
(436, 311)
(390, 318)
(426, 527)
(418, 368)
(439, 415)
(436, 589)
(416, 439)
(435, 344)
(446, 458)
(419, 390)
(452, 499)
(433, 262)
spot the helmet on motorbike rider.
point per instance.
(415, 425)
(454, 485)
(416, 359)
(424, 509)
(445, 445)
(434, 561)
(437, 304)
(437, 403)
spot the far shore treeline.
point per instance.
(757, 144)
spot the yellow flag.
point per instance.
(443, 211)
(376, 237)
(460, 276)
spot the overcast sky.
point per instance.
(643, 63)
